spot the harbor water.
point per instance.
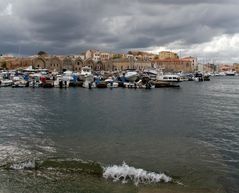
(187, 138)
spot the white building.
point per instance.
(96, 55)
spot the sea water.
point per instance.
(120, 140)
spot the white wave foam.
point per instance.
(23, 165)
(12, 152)
(138, 176)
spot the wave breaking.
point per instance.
(28, 165)
(126, 173)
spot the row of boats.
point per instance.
(226, 73)
(150, 78)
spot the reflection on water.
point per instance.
(190, 133)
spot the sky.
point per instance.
(207, 29)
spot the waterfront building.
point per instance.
(236, 67)
(89, 62)
(125, 63)
(89, 54)
(78, 64)
(82, 56)
(105, 56)
(67, 64)
(168, 55)
(226, 68)
(11, 62)
(174, 65)
(209, 68)
(200, 67)
(104, 61)
(130, 56)
(142, 65)
(97, 55)
(39, 62)
(194, 62)
(122, 64)
(143, 56)
(54, 64)
(93, 55)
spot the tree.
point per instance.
(42, 53)
(4, 64)
(117, 56)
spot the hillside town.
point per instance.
(107, 61)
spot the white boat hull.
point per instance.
(131, 76)
(6, 83)
(113, 85)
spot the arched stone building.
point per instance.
(78, 64)
(108, 65)
(54, 64)
(39, 62)
(99, 66)
(90, 63)
(68, 64)
(60, 64)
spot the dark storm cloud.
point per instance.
(60, 26)
(186, 1)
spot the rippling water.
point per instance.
(191, 134)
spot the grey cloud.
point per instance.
(65, 27)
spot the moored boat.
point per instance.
(230, 73)
(86, 74)
(131, 75)
(168, 78)
(6, 83)
(152, 73)
(163, 84)
(111, 83)
(101, 84)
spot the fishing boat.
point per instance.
(86, 74)
(58, 83)
(131, 75)
(19, 82)
(88, 84)
(168, 78)
(101, 84)
(111, 83)
(6, 83)
(160, 84)
(199, 77)
(35, 80)
(230, 73)
(152, 73)
(47, 82)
